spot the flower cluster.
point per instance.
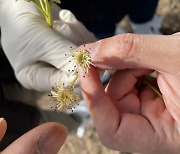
(82, 59)
(65, 96)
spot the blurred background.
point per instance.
(33, 115)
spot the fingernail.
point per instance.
(52, 140)
(1, 119)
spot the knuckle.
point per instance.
(129, 45)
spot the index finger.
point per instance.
(156, 52)
(99, 104)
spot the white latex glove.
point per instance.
(36, 51)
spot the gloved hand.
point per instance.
(35, 50)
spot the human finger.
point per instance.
(151, 104)
(124, 82)
(123, 91)
(44, 139)
(156, 52)
(99, 104)
(3, 127)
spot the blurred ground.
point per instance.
(90, 144)
(169, 10)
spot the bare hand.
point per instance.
(125, 117)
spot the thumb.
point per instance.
(156, 52)
(3, 127)
(72, 29)
(45, 139)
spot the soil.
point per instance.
(90, 144)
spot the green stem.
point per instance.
(151, 87)
(37, 5)
(46, 4)
(49, 12)
(42, 4)
(45, 8)
(74, 80)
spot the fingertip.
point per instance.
(3, 127)
(3, 122)
(67, 16)
(62, 129)
(91, 84)
(53, 139)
